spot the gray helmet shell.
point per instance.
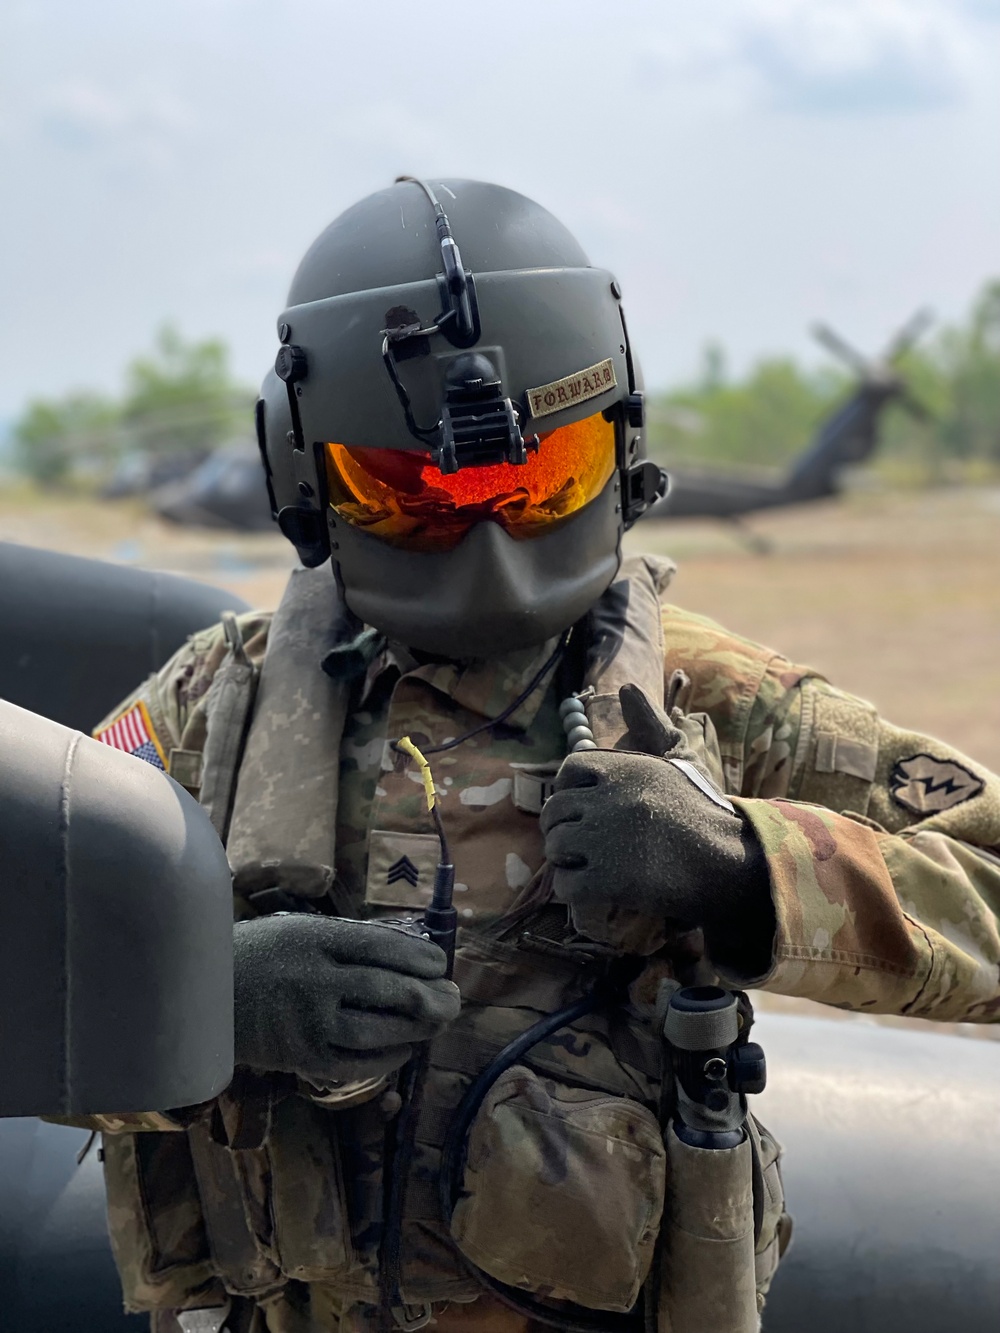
(545, 315)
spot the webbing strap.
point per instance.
(284, 822)
(227, 711)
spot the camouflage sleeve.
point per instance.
(883, 844)
(884, 854)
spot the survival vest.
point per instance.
(276, 1183)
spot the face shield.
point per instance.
(403, 498)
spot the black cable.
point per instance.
(396, 1177)
(401, 1141)
(463, 309)
(525, 694)
(434, 201)
(426, 434)
(445, 858)
(567, 1317)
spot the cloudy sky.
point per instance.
(743, 166)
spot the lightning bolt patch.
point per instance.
(926, 785)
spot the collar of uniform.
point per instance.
(486, 688)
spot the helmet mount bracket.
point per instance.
(302, 523)
(478, 426)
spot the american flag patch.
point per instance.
(133, 732)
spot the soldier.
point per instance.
(462, 433)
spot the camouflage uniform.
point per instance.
(884, 853)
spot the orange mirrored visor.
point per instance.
(401, 497)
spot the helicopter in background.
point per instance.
(846, 438)
(226, 490)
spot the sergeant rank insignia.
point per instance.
(927, 785)
(132, 731)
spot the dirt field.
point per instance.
(893, 596)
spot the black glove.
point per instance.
(334, 1000)
(643, 844)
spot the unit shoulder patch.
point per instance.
(133, 732)
(926, 785)
(589, 383)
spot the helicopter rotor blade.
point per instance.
(911, 332)
(841, 349)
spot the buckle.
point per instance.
(410, 1317)
(211, 1319)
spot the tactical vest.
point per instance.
(281, 1183)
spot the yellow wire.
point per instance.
(407, 746)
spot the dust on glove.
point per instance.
(333, 1000)
(643, 843)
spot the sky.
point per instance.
(744, 167)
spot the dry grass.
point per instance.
(255, 566)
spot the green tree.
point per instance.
(766, 418)
(183, 396)
(714, 372)
(53, 437)
(970, 359)
(956, 377)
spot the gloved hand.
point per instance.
(333, 1000)
(642, 843)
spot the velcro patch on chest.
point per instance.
(401, 868)
(925, 784)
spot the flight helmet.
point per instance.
(455, 416)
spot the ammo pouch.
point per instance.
(190, 1217)
(561, 1189)
(162, 1253)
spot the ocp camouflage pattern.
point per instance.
(878, 908)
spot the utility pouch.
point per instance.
(724, 1221)
(775, 1225)
(308, 1201)
(708, 1278)
(563, 1191)
(160, 1247)
(279, 1210)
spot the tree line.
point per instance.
(182, 395)
(767, 416)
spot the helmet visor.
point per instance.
(401, 497)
